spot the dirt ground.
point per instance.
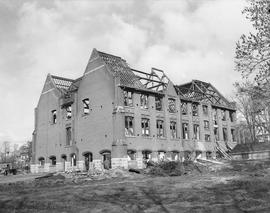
(242, 188)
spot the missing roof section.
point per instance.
(202, 92)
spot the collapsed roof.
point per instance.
(202, 92)
(155, 81)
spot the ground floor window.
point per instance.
(41, 161)
(208, 155)
(131, 154)
(73, 159)
(53, 160)
(146, 154)
(161, 155)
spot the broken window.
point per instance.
(54, 116)
(68, 136)
(53, 160)
(160, 128)
(231, 114)
(207, 137)
(208, 155)
(185, 130)
(129, 129)
(158, 101)
(41, 161)
(131, 154)
(233, 134)
(145, 127)
(86, 108)
(225, 135)
(173, 129)
(146, 154)
(144, 101)
(215, 116)
(196, 130)
(216, 134)
(195, 109)
(68, 112)
(128, 98)
(172, 105)
(205, 109)
(184, 108)
(206, 124)
(223, 115)
(73, 159)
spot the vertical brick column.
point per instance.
(201, 119)
(219, 121)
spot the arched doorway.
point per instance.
(73, 159)
(106, 158)
(88, 158)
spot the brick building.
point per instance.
(118, 116)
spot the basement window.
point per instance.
(173, 129)
(196, 130)
(129, 129)
(144, 101)
(160, 128)
(184, 108)
(128, 98)
(54, 116)
(68, 136)
(68, 112)
(145, 127)
(185, 130)
(86, 108)
(172, 105)
(158, 101)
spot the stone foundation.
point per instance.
(119, 162)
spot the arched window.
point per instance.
(53, 160)
(64, 157)
(146, 154)
(41, 161)
(131, 154)
(73, 159)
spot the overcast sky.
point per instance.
(188, 39)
